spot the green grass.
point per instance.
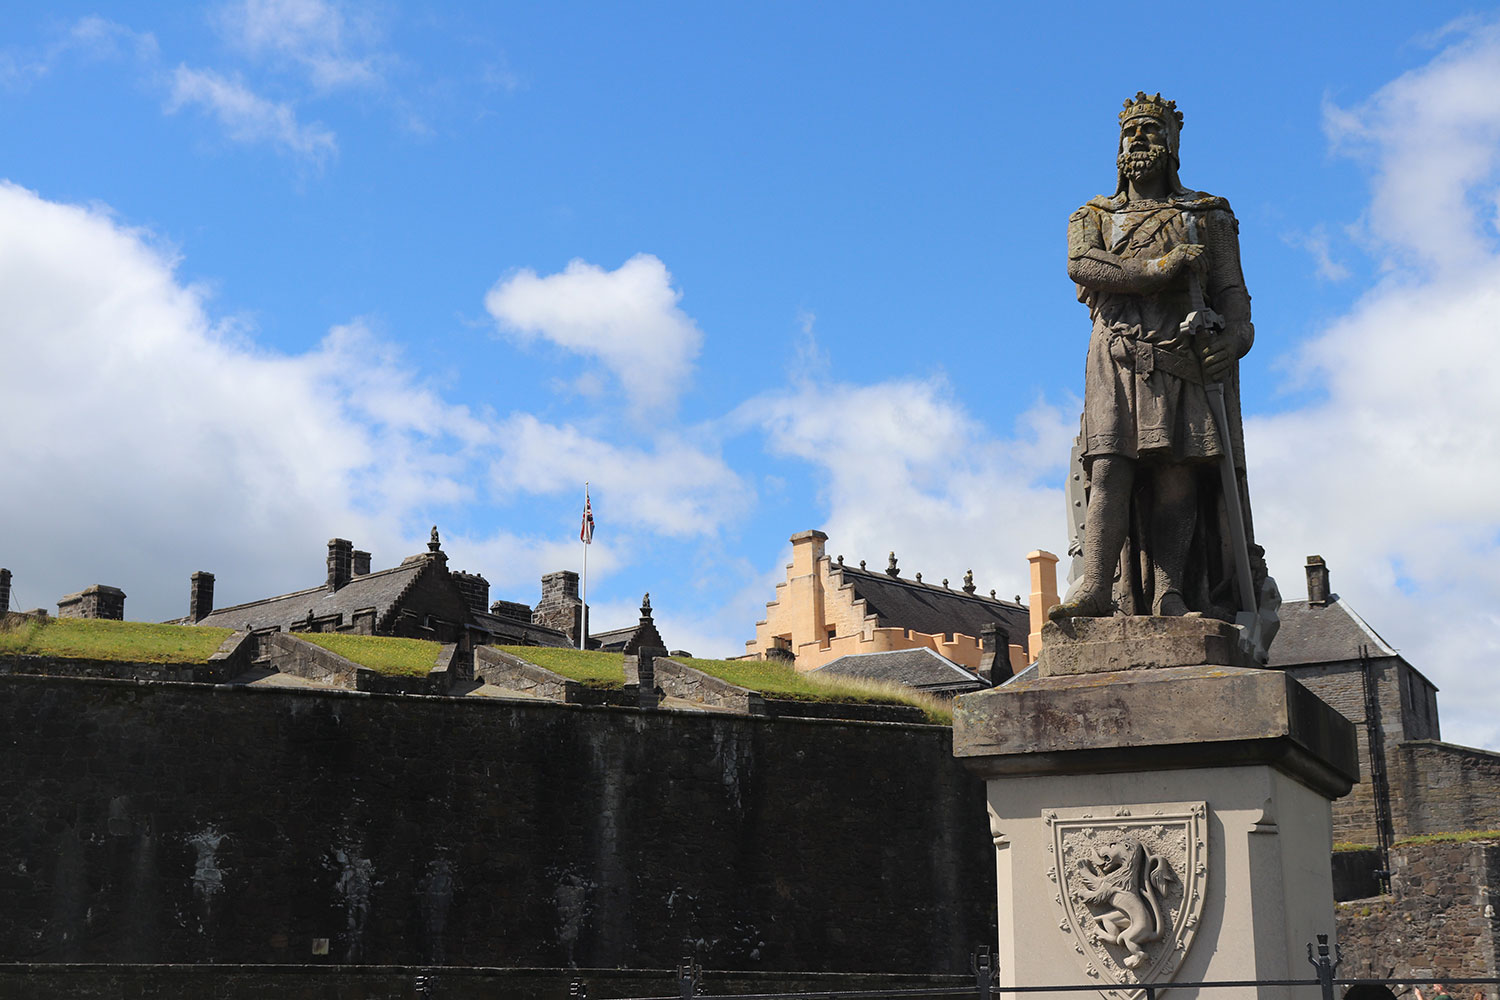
(589, 667)
(382, 654)
(1340, 846)
(1450, 838)
(102, 639)
(607, 670)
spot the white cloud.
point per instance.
(905, 468)
(676, 488)
(626, 319)
(249, 118)
(147, 441)
(330, 42)
(1393, 477)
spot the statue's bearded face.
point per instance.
(1143, 148)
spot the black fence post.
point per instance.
(1325, 965)
(984, 972)
(1150, 991)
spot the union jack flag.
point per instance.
(586, 532)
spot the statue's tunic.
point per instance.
(1143, 391)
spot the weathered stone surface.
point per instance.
(1439, 921)
(502, 669)
(319, 982)
(1137, 642)
(1173, 717)
(184, 823)
(682, 681)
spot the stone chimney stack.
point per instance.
(361, 565)
(200, 596)
(994, 658)
(4, 591)
(340, 562)
(560, 607)
(1043, 596)
(98, 601)
(1317, 582)
(475, 588)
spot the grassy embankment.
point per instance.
(1449, 838)
(102, 639)
(772, 680)
(386, 655)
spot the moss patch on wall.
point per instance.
(393, 657)
(104, 639)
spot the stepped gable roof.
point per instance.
(1312, 633)
(510, 632)
(921, 668)
(924, 607)
(381, 590)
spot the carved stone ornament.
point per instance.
(1130, 884)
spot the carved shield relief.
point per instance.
(1129, 883)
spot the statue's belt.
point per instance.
(1143, 359)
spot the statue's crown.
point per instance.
(1152, 106)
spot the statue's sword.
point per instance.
(1200, 323)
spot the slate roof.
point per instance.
(1323, 634)
(917, 668)
(510, 632)
(381, 590)
(925, 607)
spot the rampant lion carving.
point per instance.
(1132, 880)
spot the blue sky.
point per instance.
(279, 270)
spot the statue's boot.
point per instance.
(1085, 605)
(1170, 604)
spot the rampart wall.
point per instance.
(186, 823)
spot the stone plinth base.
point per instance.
(1162, 824)
(1108, 645)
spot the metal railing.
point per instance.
(689, 983)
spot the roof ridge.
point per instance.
(924, 585)
(1364, 625)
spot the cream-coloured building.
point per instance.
(826, 609)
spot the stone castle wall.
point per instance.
(184, 823)
(1439, 921)
(1444, 788)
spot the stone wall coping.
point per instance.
(682, 681)
(1168, 718)
(507, 670)
(1450, 748)
(457, 703)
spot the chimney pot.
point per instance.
(1318, 592)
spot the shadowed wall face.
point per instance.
(184, 823)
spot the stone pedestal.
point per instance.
(1157, 816)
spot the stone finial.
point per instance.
(841, 560)
(861, 564)
(969, 587)
(919, 577)
(433, 545)
(891, 569)
(992, 595)
(645, 635)
(945, 584)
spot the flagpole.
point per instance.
(583, 612)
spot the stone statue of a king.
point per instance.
(1160, 510)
